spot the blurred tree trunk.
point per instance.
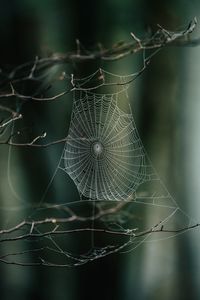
(160, 127)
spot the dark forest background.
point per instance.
(166, 104)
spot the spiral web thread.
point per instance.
(122, 199)
(104, 154)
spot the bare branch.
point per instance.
(131, 234)
(158, 40)
(101, 220)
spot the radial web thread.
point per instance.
(104, 154)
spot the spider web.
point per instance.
(104, 155)
(122, 201)
(106, 159)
